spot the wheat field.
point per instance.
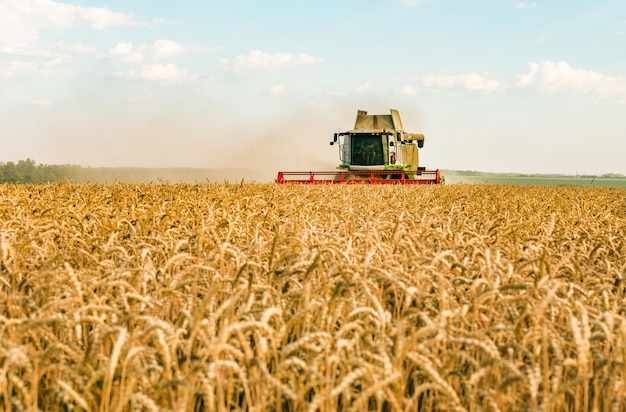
(262, 297)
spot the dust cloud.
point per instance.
(184, 129)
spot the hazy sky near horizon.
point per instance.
(495, 85)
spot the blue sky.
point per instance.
(499, 85)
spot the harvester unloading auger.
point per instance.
(376, 151)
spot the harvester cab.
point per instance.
(378, 142)
(376, 151)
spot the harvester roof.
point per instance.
(377, 122)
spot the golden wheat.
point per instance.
(266, 297)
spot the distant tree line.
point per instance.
(28, 171)
(474, 173)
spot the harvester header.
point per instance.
(376, 151)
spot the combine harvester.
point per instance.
(376, 151)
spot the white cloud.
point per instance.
(21, 20)
(15, 68)
(10, 69)
(561, 77)
(100, 17)
(27, 56)
(58, 61)
(126, 52)
(408, 91)
(277, 89)
(526, 5)
(166, 48)
(363, 87)
(76, 48)
(257, 61)
(158, 72)
(163, 72)
(468, 82)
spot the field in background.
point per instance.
(456, 177)
(193, 175)
(266, 297)
(28, 171)
(169, 175)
